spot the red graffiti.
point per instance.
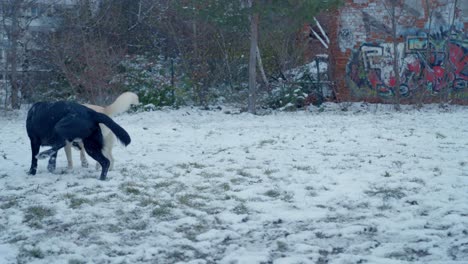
(459, 60)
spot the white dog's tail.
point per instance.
(121, 104)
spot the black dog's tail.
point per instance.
(121, 134)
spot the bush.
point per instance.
(306, 85)
(154, 81)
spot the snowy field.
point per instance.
(368, 185)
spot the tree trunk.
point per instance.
(421, 89)
(396, 66)
(446, 89)
(262, 70)
(252, 63)
(13, 60)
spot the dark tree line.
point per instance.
(77, 51)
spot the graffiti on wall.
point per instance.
(436, 63)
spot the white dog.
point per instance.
(120, 105)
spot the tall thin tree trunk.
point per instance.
(222, 46)
(396, 65)
(262, 70)
(449, 67)
(252, 63)
(422, 90)
(13, 60)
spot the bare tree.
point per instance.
(252, 63)
(449, 67)
(16, 16)
(86, 50)
(391, 7)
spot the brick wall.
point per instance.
(362, 51)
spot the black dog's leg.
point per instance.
(62, 131)
(50, 153)
(35, 146)
(93, 146)
(52, 162)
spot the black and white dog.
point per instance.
(55, 124)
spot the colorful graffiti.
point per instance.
(423, 64)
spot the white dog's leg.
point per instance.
(107, 151)
(84, 161)
(110, 143)
(69, 155)
(109, 139)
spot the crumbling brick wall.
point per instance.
(425, 35)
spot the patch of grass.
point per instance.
(183, 166)
(398, 164)
(240, 209)
(220, 150)
(322, 235)
(191, 200)
(187, 167)
(147, 201)
(210, 175)
(33, 215)
(77, 202)
(274, 193)
(311, 191)
(386, 193)
(191, 231)
(162, 211)
(437, 171)
(76, 261)
(244, 173)
(197, 165)
(225, 186)
(28, 253)
(287, 197)
(132, 219)
(112, 228)
(130, 188)
(409, 254)
(86, 231)
(352, 205)
(9, 204)
(417, 180)
(71, 185)
(281, 246)
(327, 154)
(269, 172)
(170, 183)
(370, 230)
(137, 225)
(266, 142)
(337, 217)
(308, 169)
(18, 238)
(163, 184)
(238, 181)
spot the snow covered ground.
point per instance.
(368, 185)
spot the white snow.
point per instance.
(367, 185)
